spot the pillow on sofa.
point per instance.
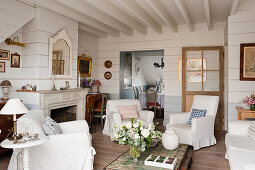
(196, 113)
(51, 127)
(128, 112)
(251, 131)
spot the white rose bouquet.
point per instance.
(136, 135)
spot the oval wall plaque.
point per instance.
(108, 64)
(107, 75)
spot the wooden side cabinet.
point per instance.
(245, 113)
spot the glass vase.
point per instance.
(252, 107)
(135, 152)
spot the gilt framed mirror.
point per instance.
(60, 55)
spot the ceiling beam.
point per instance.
(93, 31)
(138, 12)
(114, 11)
(93, 12)
(185, 14)
(162, 13)
(207, 14)
(234, 7)
(73, 14)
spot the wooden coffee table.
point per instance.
(183, 154)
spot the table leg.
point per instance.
(26, 159)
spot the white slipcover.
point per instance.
(70, 150)
(240, 151)
(201, 132)
(113, 117)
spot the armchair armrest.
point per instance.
(203, 126)
(146, 115)
(74, 126)
(178, 118)
(238, 127)
(116, 119)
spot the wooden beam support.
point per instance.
(93, 31)
(207, 14)
(93, 12)
(139, 13)
(114, 11)
(162, 13)
(234, 7)
(73, 14)
(185, 14)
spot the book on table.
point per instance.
(161, 161)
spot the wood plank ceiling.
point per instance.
(110, 17)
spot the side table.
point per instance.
(245, 113)
(10, 145)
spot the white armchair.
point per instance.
(70, 150)
(113, 117)
(201, 132)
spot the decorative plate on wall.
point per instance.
(107, 75)
(108, 64)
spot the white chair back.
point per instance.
(112, 104)
(209, 103)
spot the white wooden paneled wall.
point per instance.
(170, 42)
(241, 29)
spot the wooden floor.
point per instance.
(210, 158)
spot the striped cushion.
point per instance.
(128, 112)
(51, 127)
(251, 131)
(196, 113)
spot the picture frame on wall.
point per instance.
(247, 62)
(84, 66)
(2, 67)
(4, 54)
(15, 60)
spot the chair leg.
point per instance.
(102, 122)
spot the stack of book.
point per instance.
(161, 161)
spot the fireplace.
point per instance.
(64, 114)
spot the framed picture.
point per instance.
(15, 60)
(247, 62)
(193, 64)
(67, 84)
(4, 54)
(84, 66)
(2, 67)
(58, 67)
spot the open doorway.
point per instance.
(143, 71)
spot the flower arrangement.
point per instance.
(136, 135)
(250, 101)
(87, 83)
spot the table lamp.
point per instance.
(14, 107)
(97, 83)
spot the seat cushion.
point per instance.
(240, 142)
(196, 113)
(128, 112)
(184, 131)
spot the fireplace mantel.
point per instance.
(63, 98)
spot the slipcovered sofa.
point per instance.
(113, 117)
(70, 150)
(240, 150)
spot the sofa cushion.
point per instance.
(239, 142)
(128, 112)
(196, 113)
(251, 131)
(51, 127)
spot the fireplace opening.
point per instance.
(63, 114)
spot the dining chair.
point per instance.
(136, 92)
(100, 112)
(142, 89)
(151, 101)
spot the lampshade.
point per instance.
(97, 83)
(13, 107)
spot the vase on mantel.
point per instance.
(252, 107)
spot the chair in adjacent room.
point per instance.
(100, 112)
(151, 101)
(200, 133)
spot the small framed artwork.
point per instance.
(2, 67)
(247, 62)
(4, 54)
(15, 60)
(67, 84)
(84, 66)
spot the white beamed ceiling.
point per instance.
(110, 17)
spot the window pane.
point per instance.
(212, 81)
(194, 81)
(212, 59)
